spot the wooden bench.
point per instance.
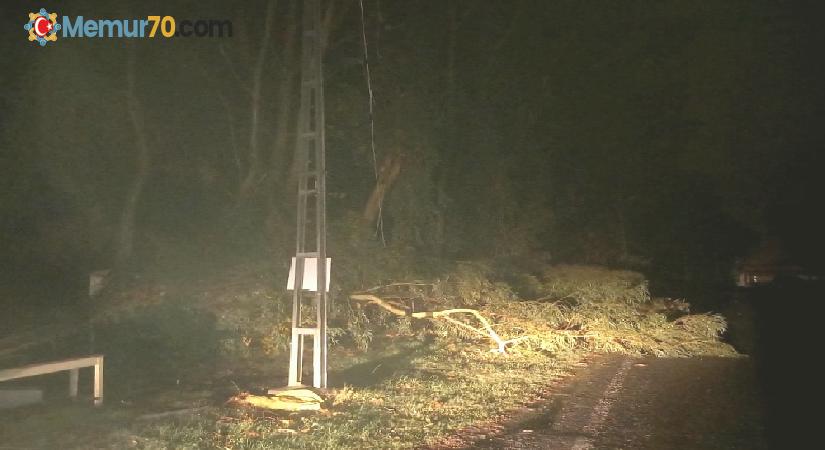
(72, 365)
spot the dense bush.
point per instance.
(586, 284)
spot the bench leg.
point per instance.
(99, 382)
(73, 374)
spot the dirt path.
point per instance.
(620, 402)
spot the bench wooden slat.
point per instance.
(72, 365)
(50, 367)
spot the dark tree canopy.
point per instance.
(670, 134)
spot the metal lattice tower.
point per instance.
(311, 205)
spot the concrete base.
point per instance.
(13, 398)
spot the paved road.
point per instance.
(635, 403)
(771, 400)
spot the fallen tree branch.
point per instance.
(486, 330)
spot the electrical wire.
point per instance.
(380, 222)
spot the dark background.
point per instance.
(671, 137)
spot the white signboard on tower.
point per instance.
(310, 274)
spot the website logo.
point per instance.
(42, 27)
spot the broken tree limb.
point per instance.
(486, 330)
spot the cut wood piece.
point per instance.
(286, 400)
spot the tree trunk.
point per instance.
(620, 222)
(387, 175)
(126, 231)
(254, 172)
(280, 193)
(284, 119)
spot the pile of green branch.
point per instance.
(593, 284)
(595, 308)
(582, 308)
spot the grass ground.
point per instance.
(429, 392)
(418, 382)
(440, 389)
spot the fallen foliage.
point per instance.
(582, 308)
